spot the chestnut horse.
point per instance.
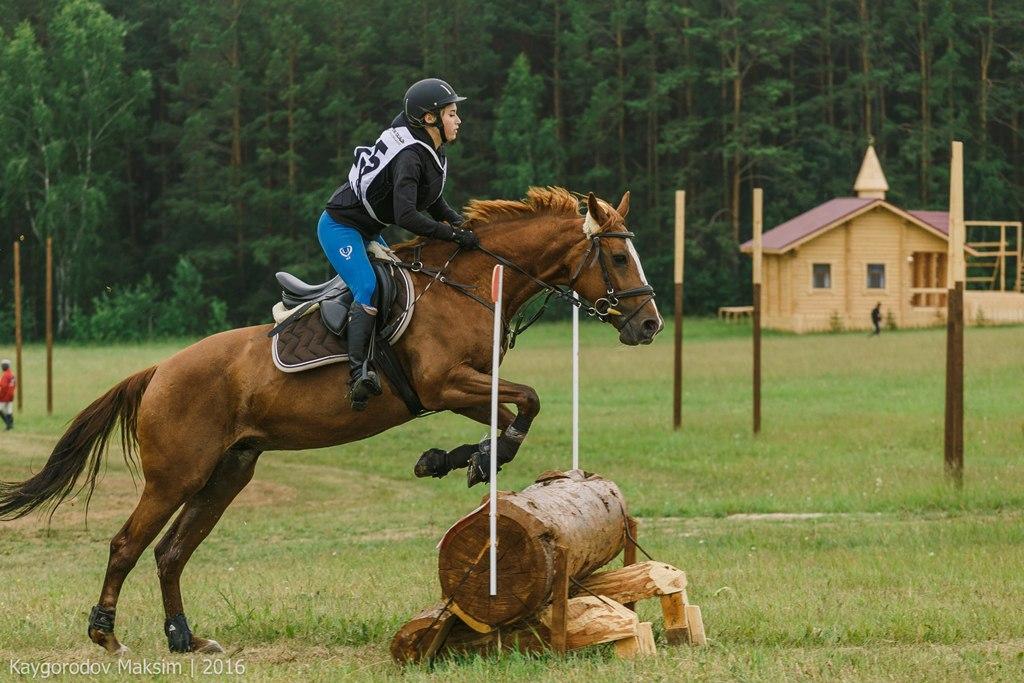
(198, 454)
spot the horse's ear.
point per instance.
(623, 208)
(594, 208)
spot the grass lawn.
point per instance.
(887, 573)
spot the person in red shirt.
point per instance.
(7, 387)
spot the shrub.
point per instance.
(187, 311)
(122, 315)
(138, 313)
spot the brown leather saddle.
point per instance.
(312, 319)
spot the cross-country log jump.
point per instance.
(197, 455)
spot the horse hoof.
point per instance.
(207, 647)
(431, 464)
(108, 641)
(121, 651)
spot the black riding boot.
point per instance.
(9, 421)
(363, 382)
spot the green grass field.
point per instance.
(892, 575)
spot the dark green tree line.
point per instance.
(139, 133)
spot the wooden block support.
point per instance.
(645, 637)
(673, 609)
(629, 549)
(560, 601)
(639, 645)
(695, 625)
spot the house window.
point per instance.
(822, 275)
(876, 276)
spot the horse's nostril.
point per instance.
(651, 325)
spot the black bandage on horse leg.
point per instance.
(519, 428)
(102, 619)
(459, 456)
(512, 438)
(179, 635)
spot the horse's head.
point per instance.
(606, 270)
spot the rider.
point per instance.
(393, 181)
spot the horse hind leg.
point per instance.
(194, 523)
(159, 500)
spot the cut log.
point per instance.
(582, 512)
(635, 582)
(412, 641)
(589, 621)
(411, 644)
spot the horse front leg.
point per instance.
(468, 392)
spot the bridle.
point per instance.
(605, 305)
(602, 309)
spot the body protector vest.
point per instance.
(369, 161)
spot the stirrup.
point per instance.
(361, 389)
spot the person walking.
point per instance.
(876, 318)
(8, 384)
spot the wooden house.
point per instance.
(828, 267)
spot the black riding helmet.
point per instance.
(430, 95)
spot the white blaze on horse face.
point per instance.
(640, 269)
(636, 257)
(590, 226)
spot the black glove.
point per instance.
(466, 239)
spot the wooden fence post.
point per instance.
(680, 250)
(758, 199)
(955, 275)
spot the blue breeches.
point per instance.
(345, 248)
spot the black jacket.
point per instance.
(400, 193)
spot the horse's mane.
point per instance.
(546, 200)
(539, 200)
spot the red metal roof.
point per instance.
(823, 215)
(937, 219)
(809, 222)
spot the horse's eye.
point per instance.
(620, 259)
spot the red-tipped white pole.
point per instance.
(496, 289)
(576, 384)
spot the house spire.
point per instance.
(870, 181)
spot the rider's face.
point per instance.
(450, 119)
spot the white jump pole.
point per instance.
(576, 384)
(496, 289)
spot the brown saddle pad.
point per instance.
(307, 343)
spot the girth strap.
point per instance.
(386, 359)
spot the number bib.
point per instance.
(369, 161)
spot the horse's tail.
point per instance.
(81, 448)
